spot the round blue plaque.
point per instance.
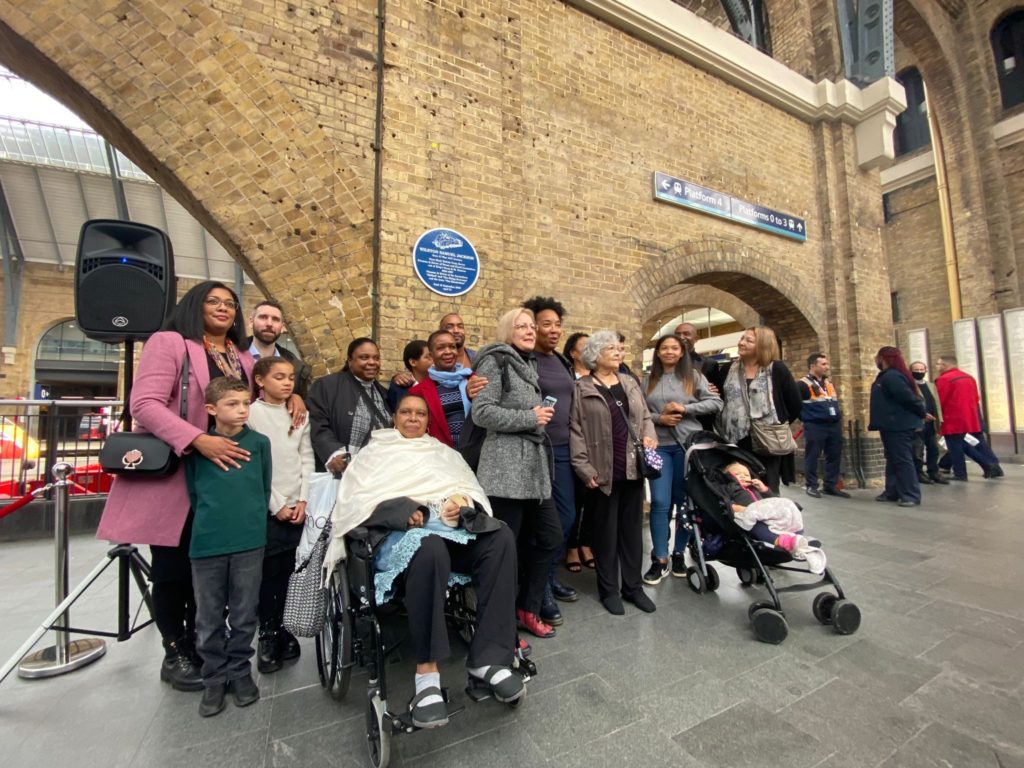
(446, 262)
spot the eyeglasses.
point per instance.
(213, 301)
(525, 327)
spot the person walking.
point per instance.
(958, 394)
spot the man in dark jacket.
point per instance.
(823, 427)
(708, 366)
(926, 448)
(267, 323)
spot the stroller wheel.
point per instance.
(695, 579)
(746, 576)
(822, 607)
(769, 626)
(758, 605)
(845, 617)
(712, 579)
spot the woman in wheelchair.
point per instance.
(430, 520)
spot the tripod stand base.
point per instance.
(45, 663)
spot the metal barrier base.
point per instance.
(45, 662)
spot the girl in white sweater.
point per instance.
(292, 454)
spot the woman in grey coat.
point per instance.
(514, 469)
(607, 412)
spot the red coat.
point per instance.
(958, 396)
(154, 511)
(437, 424)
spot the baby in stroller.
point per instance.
(769, 518)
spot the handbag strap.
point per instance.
(183, 410)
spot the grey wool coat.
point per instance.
(514, 455)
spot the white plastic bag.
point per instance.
(323, 493)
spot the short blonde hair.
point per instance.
(506, 322)
(765, 344)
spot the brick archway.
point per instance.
(175, 89)
(680, 297)
(780, 296)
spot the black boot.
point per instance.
(288, 645)
(178, 668)
(269, 652)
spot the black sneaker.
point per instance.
(288, 645)
(938, 479)
(213, 700)
(268, 651)
(178, 668)
(656, 572)
(813, 492)
(679, 565)
(244, 690)
(837, 493)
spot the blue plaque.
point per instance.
(446, 262)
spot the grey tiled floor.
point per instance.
(935, 677)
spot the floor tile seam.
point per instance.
(977, 607)
(814, 690)
(270, 722)
(308, 731)
(772, 660)
(825, 759)
(205, 742)
(290, 691)
(476, 735)
(926, 725)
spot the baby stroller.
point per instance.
(708, 513)
(353, 635)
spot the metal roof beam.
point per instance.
(46, 215)
(14, 262)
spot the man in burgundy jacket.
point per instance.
(958, 395)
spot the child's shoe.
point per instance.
(787, 541)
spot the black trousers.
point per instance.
(538, 532)
(827, 438)
(618, 536)
(490, 560)
(174, 600)
(926, 449)
(277, 569)
(582, 528)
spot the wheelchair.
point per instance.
(352, 636)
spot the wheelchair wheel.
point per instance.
(334, 643)
(378, 733)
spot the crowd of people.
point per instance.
(506, 463)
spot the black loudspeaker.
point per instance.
(124, 280)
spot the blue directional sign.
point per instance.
(446, 262)
(689, 195)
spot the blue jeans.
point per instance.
(668, 492)
(563, 492)
(231, 580)
(980, 453)
(901, 483)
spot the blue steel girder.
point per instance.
(14, 261)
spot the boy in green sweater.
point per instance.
(229, 533)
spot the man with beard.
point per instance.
(267, 323)
(554, 374)
(452, 323)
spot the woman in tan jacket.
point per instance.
(608, 406)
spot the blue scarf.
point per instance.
(456, 378)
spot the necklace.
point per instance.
(228, 361)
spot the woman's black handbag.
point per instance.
(143, 454)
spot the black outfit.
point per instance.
(897, 413)
(926, 442)
(303, 373)
(823, 432)
(538, 530)
(618, 536)
(489, 559)
(713, 373)
(332, 404)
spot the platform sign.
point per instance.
(446, 262)
(685, 193)
(993, 362)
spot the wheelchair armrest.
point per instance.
(359, 534)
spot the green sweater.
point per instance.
(230, 507)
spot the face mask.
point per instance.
(919, 375)
(878, 365)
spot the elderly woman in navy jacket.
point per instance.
(897, 412)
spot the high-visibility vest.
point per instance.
(822, 405)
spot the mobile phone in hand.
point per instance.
(549, 402)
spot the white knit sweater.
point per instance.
(292, 454)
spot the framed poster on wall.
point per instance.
(965, 343)
(917, 349)
(1013, 322)
(995, 388)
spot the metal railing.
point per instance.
(36, 435)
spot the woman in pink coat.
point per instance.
(207, 326)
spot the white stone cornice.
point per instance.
(908, 171)
(682, 33)
(1009, 131)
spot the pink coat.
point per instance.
(154, 511)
